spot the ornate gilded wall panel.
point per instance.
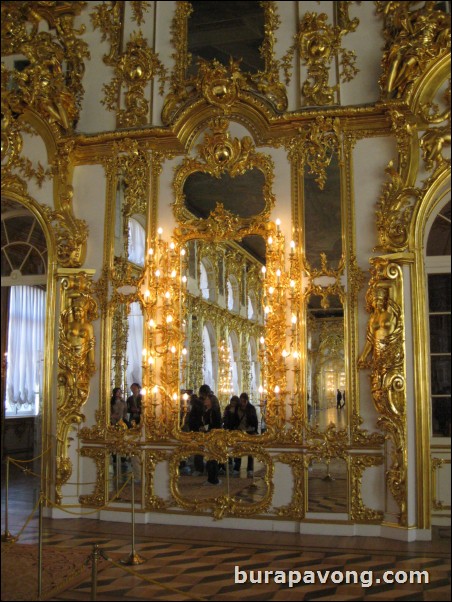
(98, 497)
(358, 511)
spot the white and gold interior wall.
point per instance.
(135, 100)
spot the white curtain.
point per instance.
(134, 344)
(137, 242)
(27, 310)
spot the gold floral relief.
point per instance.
(76, 364)
(151, 459)
(384, 354)
(108, 17)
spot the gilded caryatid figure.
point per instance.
(384, 353)
(414, 38)
(383, 350)
(76, 365)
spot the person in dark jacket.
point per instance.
(194, 424)
(246, 422)
(211, 419)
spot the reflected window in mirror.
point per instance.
(234, 357)
(137, 242)
(134, 344)
(233, 294)
(210, 359)
(220, 30)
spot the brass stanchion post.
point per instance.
(40, 547)
(134, 557)
(94, 563)
(7, 535)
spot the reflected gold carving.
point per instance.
(138, 9)
(359, 513)
(384, 354)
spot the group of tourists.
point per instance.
(204, 415)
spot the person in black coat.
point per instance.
(246, 422)
(211, 419)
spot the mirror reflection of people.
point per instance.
(230, 423)
(211, 419)
(194, 424)
(134, 404)
(246, 422)
(309, 402)
(118, 407)
(338, 400)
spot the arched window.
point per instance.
(24, 276)
(437, 265)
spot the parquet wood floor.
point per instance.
(199, 562)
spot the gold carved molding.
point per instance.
(108, 17)
(223, 505)
(98, 497)
(436, 466)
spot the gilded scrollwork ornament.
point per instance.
(151, 459)
(134, 69)
(415, 37)
(219, 154)
(384, 354)
(296, 508)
